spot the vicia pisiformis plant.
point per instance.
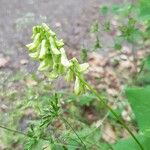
(49, 51)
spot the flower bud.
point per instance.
(59, 43)
(34, 55)
(54, 49)
(53, 74)
(45, 64)
(69, 75)
(43, 50)
(64, 60)
(33, 46)
(78, 87)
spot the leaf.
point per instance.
(97, 44)
(139, 99)
(86, 99)
(104, 10)
(122, 9)
(95, 27)
(117, 46)
(144, 9)
(83, 54)
(130, 144)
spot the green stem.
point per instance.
(74, 131)
(110, 109)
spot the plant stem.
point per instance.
(74, 131)
(110, 109)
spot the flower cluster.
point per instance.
(49, 51)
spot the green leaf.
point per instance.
(83, 54)
(130, 144)
(97, 44)
(104, 10)
(139, 99)
(95, 27)
(144, 9)
(122, 9)
(86, 99)
(117, 46)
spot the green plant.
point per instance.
(49, 51)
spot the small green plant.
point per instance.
(49, 51)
